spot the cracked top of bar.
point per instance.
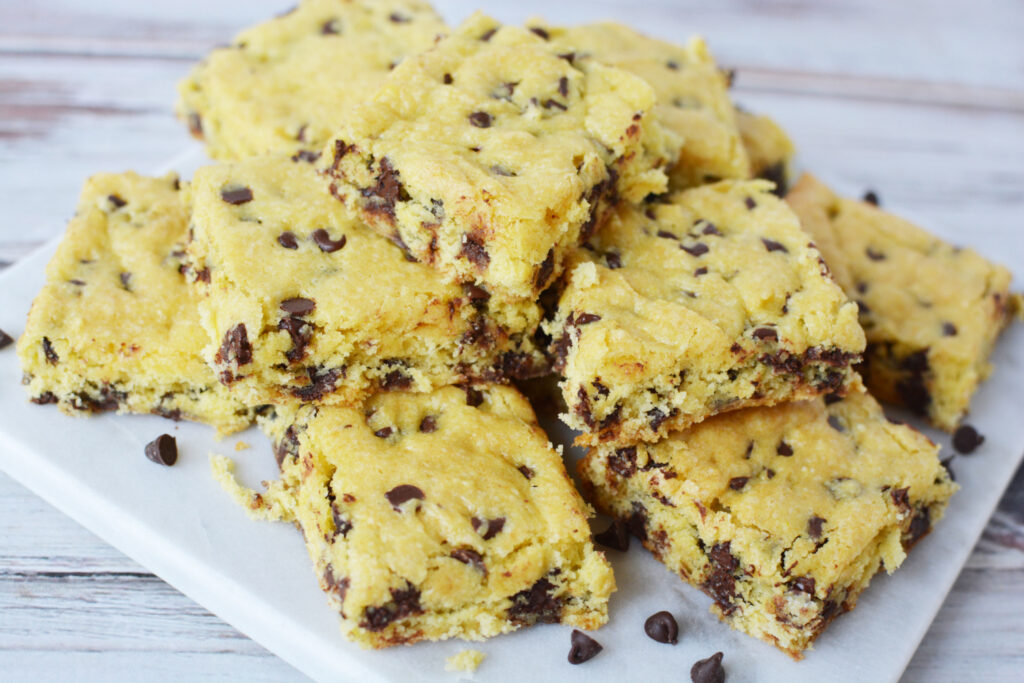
(490, 155)
(303, 301)
(116, 326)
(710, 300)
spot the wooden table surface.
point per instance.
(923, 101)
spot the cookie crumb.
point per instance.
(465, 660)
(274, 504)
(242, 446)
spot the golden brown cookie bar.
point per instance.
(434, 516)
(116, 326)
(285, 84)
(768, 147)
(491, 156)
(780, 514)
(709, 300)
(692, 91)
(303, 301)
(931, 311)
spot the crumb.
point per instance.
(272, 505)
(466, 660)
(242, 446)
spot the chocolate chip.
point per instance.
(474, 397)
(384, 432)
(474, 250)
(448, 80)
(235, 347)
(326, 244)
(637, 521)
(402, 494)
(287, 240)
(397, 18)
(613, 260)
(307, 155)
(536, 604)
(947, 464)
(784, 449)
(341, 525)
(708, 670)
(814, 527)
(486, 35)
(301, 334)
(874, 255)
(772, 245)
(710, 228)
(470, 557)
(667, 235)
(428, 424)
(321, 382)
(949, 329)
(404, 602)
(871, 197)
(163, 450)
(236, 195)
(480, 119)
(656, 417)
(490, 528)
(117, 201)
(766, 334)
(586, 319)
(623, 461)
(737, 483)
(695, 250)
(386, 191)
(540, 32)
(836, 423)
(721, 582)
(750, 203)
(662, 627)
(526, 471)
(5, 340)
(966, 439)
(298, 306)
(77, 283)
(476, 294)
(583, 647)
(616, 536)
(803, 584)
(563, 86)
(553, 104)
(545, 270)
(51, 356)
(126, 279)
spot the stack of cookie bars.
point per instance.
(407, 219)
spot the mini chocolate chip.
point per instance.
(765, 334)
(871, 197)
(814, 527)
(672, 65)
(583, 647)
(540, 32)
(403, 493)
(703, 270)
(616, 536)
(803, 584)
(428, 424)
(399, 18)
(750, 203)
(448, 80)
(298, 306)
(326, 244)
(526, 471)
(470, 557)
(966, 439)
(77, 283)
(696, 250)
(236, 196)
(553, 104)
(563, 86)
(473, 249)
(948, 465)
(874, 255)
(737, 483)
(662, 627)
(710, 229)
(51, 356)
(667, 235)
(772, 245)
(949, 329)
(480, 119)
(486, 35)
(330, 28)
(490, 528)
(474, 397)
(5, 340)
(384, 432)
(835, 423)
(287, 240)
(586, 319)
(832, 398)
(613, 260)
(708, 670)
(116, 201)
(307, 155)
(784, 449)
(126, 278)
(163, 450)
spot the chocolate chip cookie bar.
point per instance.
(692, 93)
(931, 311)
(304, 302)
(710, 300)
(284, 85)
(768, 147)
(491, 155)
(783, 514)
(434, 516)
(116, 326)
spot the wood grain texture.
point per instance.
(922, 101)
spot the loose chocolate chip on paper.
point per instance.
(616, 536)
(403, 493)
(236, 195)
(583, 647)
(163, 450)
(871, 197)
(662, 627)
(298, 306)
(966, 439)
(5, 340)
(708, 670)
(480, 119)
(326, 244)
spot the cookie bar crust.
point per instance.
(932, 312)
(769, 149)
(116, 326)
(708, 301)
(693, 104)
(440, 515)
(490, 156)
(783, 514)
(304, 302)
(275, 89)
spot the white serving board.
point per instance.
(257, 576)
